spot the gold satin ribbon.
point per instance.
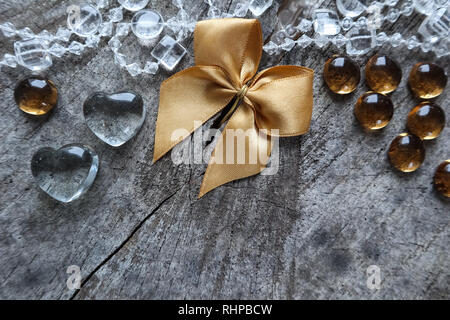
(227, 55)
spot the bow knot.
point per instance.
(277, 101)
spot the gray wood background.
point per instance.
(310, 231)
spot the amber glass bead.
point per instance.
(383, 75)
(341, 74)
(36, 95)
(442, 178)
(426, 120)
(406, 152)
(427, 80)
(374, 110)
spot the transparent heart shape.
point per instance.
(114, 118)
(67, 173)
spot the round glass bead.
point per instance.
(133, 5)
(426, 121)
(406, 152)
(147, 24)
(382, 74)
(442, 178)
(427, 80)
(84, 21)
(373, 110)
(341, 74)
(36, 95)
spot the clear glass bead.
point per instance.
(9, 60)
(168, 52)
(122, 29)
(339, 41)
(350, 8)
(84, 21)
(106, 29)
(100, 4)
(288, 44)
(346, 23)
(305, 25)
(393, 14)
(134, 69)
(32, 54)
(361, 23)
(360, 41)
(114, 43)
(147, 24)
(407, 8)
(304, 41)
(321, 41)
(436, 26)
(271, 48)
(8, 29)
(239, 9)
(396, 39)
(326, 22)
(412, 43)
(150, 67)
(381, 38)
(120, 59)
(92, 41)
(133, 5)
(26, 33)
(63, 34)
(76, 48)
(258, 7)
(115, 14)
(426, 46)
(57, 50)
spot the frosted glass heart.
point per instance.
(67, 173)
(114, 118)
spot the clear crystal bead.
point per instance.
(288, 44)
(168, 52)
(26, 33)
(346, 23)
(396, 39)
(32, 54)
(133, 5)
(271, 48)
(57, 50)
(9, 60)
(115, 14)
(412, 43)
(361, 23)
(114, 44)
(279, 36)
(407, 8)
(305, 25)
(100, 4)
(258, 7)
(63, 34)
(213, 12)
(106, 29)
(443, 48)
(92, 41)
(8, 29)
(321, 41)
(147, 24)
(134, 69)
(360, 41)
(390, 3)
(350, 8)
(304, 41)
(150, 67)
(76, 48)
(85, 20)
(381, 38)
(239, 9)
(120, 59)
(122, 29)
(291, 31)
(426, 7)
(339, 40)
(326, 22)
(426, 46)
(436, 26)
(393, 15)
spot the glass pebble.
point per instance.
(373, 110)
(426, 120)
(341, 74)
(382, 74)
(442, 178)
(147, 24)
(84, 22)
(406, 152)
(36, 95)
(427, 80)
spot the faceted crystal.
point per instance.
(26, 33)
(393, 15)
(288, 44)
(381, 38)
(122, 29)
(436, 26)
(373, 110)
(360, 41)
(120, 59)
(168, 52)
(36, 95)
(106, 29)
(383, 74)
(396, 39)
(147, 24)
(412, 43)
(63, 34)
(339, 40)
(115, 14)
(442, 178)
(45, 36)
(67, 173)
(258, 7)
(8, 29)
(326, 22)
(114, 44)
(100, 4)
(92, 41)
(426, 7)
(32, 54)
(406, 152)
(426, 120)
(350, 8)
(443, 48)
(239, 9)
(304, 41)
(150, 67)
(9, 60)
(114, 118)
(133, 5)
(321, 41)
(134, 69)
(76, 48)
(407, 8)
(346, 23)
(427, 80)
(84, 21)
(361, 23)
(341, 74)
(57, 50)
(271, 48)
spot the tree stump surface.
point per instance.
(334, 208)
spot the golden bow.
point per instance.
(227, 54)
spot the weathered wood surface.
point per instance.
(310, 231)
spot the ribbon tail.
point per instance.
(242, 151)
(187, 100)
